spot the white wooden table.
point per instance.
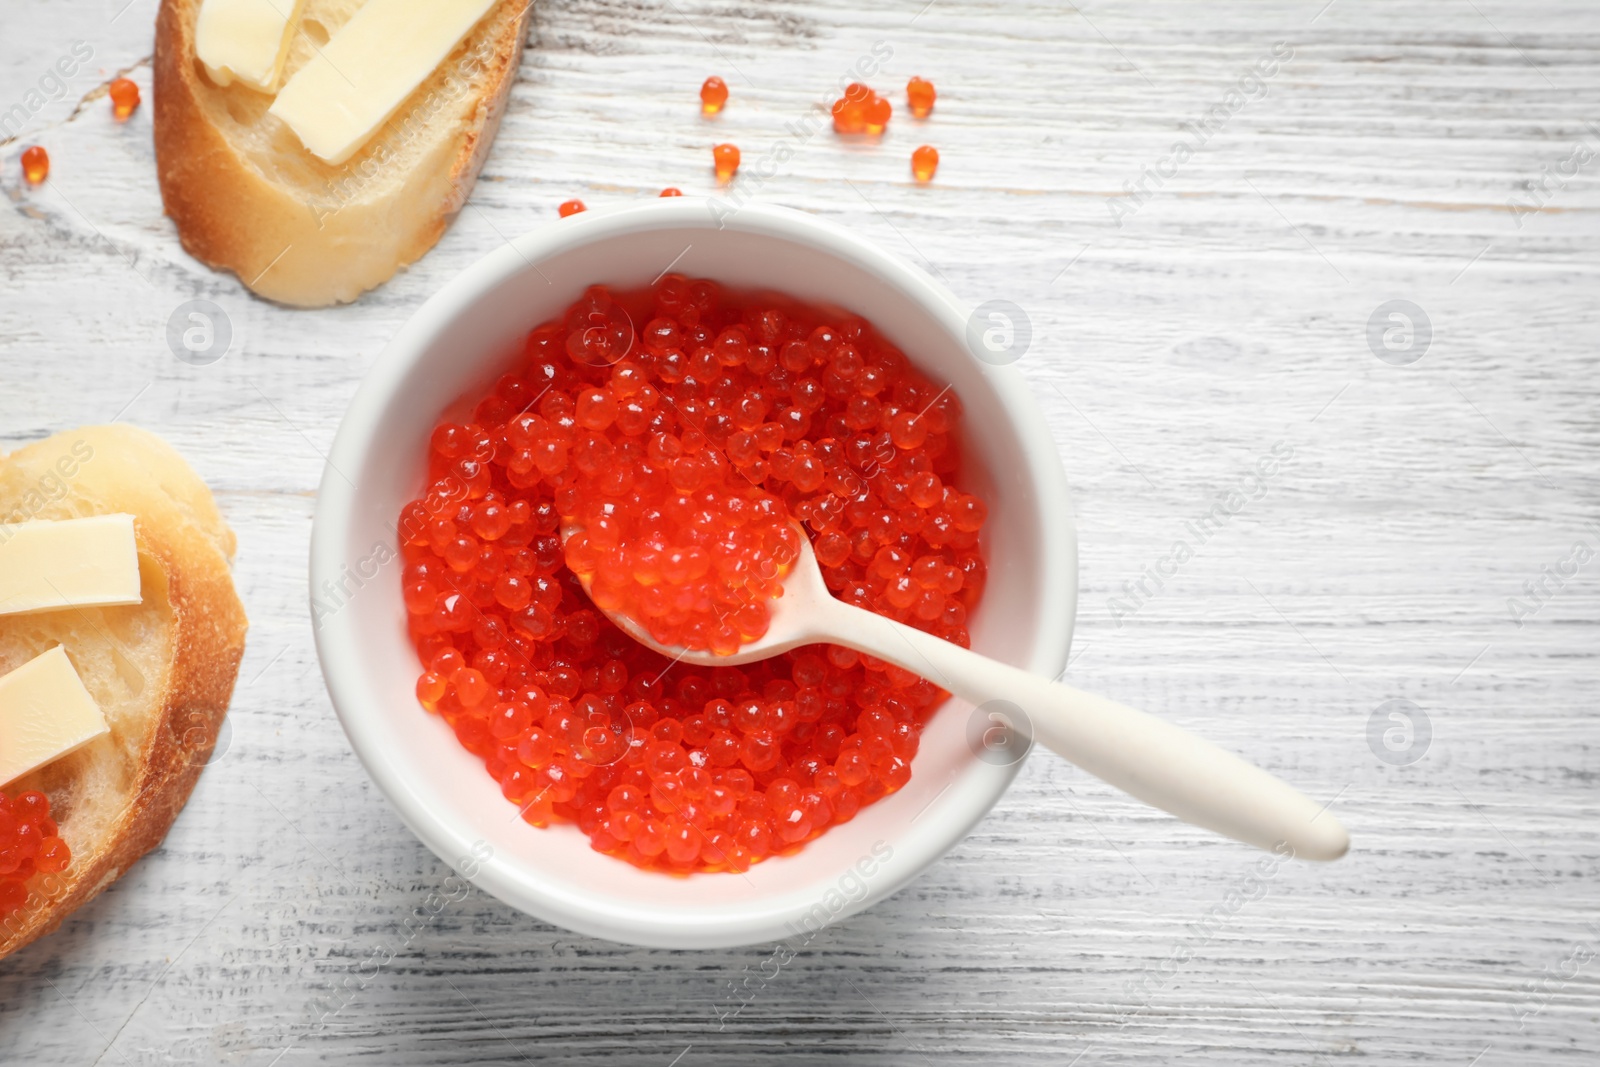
(1442, 154)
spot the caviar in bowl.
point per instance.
(458, 346)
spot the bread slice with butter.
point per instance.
(248, 195)
(161, 671)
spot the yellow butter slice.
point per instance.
(246, 40)
(348, 90)
(45, 713)
(73, 563)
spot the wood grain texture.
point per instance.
(1226, 313)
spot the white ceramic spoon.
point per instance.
(1147, 757)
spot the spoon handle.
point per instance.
(1149, 758)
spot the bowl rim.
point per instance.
(337, 500)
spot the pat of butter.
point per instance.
(45, 712)
(246, 40)
(348, 90)
(73, 563)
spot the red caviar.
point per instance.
(924, 161)
(124, 95)
(29, 844)
(713, 95)
(685, 446)
(725, 158)
(920, 97)
(35, 164)
(571, 207)
(860, 110)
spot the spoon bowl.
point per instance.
(795, 615)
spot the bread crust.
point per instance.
(207, 644)
(281, 245)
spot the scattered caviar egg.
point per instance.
(30, 844)
(571, 207)
(713, 95)
(35, 164)
(725, 157)
(920, 97)
(860, 110)
(124, 95)
(682, 451)
(847, 110)
(672, 190)
(924, 161)
(876, 114)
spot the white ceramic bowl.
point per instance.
(457, 345)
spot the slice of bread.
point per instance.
(162, 671)
(247, 197)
